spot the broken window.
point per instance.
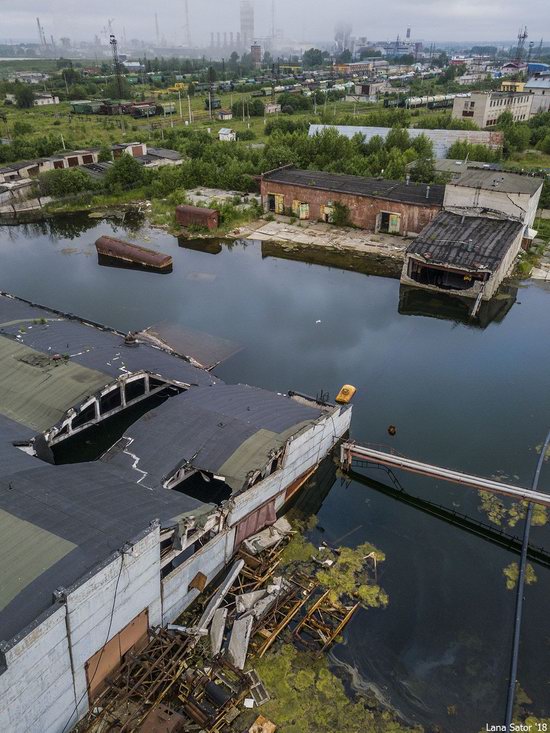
(110, 401)
(84, 416)
(134, 389)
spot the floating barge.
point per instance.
(116, 251)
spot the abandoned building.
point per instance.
(489, 192)
(393, 207)
(95, 553)
(463, 255)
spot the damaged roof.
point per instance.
(498, 181)
(226, 430)
(411, 193)
(465, 242)
(90, 345)
(58, 522)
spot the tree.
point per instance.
(104, 154)
(125, 173)
(252, 107)
(423, 171)
(346, 57)
(24, 96)
(313, 58)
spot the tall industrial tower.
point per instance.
(116, 65)
(247, 23)
(187, 27)
(522, 37)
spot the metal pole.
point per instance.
(520, 594)
(181, 108)
(189, 105)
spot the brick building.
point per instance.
(377, 205)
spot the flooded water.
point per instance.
(472, 397)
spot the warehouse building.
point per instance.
(440, 139)
(468, 256)
(97, 553)
(393, 207)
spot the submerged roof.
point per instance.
(499, 181)
(227, 430)
(465, 242)
(412, 193)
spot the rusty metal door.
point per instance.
(109, 658)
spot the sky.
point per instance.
(301, 20)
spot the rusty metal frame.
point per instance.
(323, 622)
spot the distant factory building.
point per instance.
(256, 53)
(393, 207)
(441, 139)
(463, 255)
(484, 108)
(539, 88)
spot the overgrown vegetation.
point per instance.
(511, 573)
(500, 514)
(306, 697)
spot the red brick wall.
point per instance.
(363, 209)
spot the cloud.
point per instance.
(314, 20)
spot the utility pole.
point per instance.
(181, 108)
(189, 104)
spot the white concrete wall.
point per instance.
(36, 689)
(516, 205)
(90, 606)
(302, 453)
(209, 560)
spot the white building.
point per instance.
(494, 192)
(226, 134)
(484, 108)
(40, 100)
(539, 88)
(95, 554)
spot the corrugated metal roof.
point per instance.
(412, 193)
(499, 181)
(466, 242)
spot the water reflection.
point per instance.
(419, 302)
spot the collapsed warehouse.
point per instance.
(98, 553)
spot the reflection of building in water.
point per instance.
(416, 302)
(311, 496)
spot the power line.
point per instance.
(122, 552)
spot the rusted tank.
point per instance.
(114, 250)
(188, 216)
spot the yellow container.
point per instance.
(345, 395)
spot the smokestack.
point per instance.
(408, 34)
(212, 40)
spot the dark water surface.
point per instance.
(475, 398)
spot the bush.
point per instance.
(64, 182)
(246, 135)
(125, 173)
(21, 128)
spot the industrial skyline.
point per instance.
(492, 20)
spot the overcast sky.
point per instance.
(431, 20)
